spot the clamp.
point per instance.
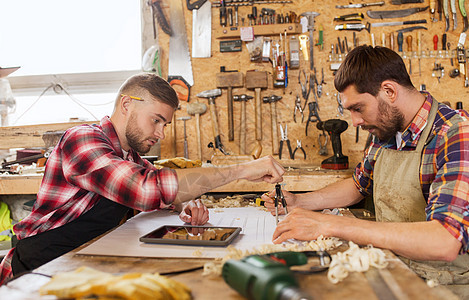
(305, 87)
(313, 114)
(320, 84)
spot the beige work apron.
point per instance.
(397, 195)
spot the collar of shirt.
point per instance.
(412, 132)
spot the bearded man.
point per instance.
(416, 169)
(95, 175)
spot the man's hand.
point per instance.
(269, 201)
(301, 224)
(263, 169)
(194, 212)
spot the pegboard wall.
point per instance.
(440, 85)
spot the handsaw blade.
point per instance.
(399, 13)
(179, 64)
(202, 30)
(160, 17)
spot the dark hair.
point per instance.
(154, 84)
(367, 67)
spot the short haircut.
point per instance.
(154, 84)
(366, 67)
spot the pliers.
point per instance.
(284, 134)
(298, 146)
(298, 108)
(306, 87)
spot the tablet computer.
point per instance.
(192, 235)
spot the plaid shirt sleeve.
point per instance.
(448, 200)
(90, 162)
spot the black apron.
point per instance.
(34, 251)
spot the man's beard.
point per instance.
(389, 122)
(135, 137)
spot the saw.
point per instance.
(201, 27)
(179, 65)
(399, 13)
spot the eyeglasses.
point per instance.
(132, 97)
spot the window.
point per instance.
(89, 47)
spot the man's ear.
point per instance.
(125, 104)
(390, 90)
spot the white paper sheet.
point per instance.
(257, 229)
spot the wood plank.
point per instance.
(31, 135)
(355, 286)
(296, 181)
(19, 184)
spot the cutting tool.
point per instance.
(284, 134)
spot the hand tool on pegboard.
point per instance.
(201, 27)
(446, 13)
(398, 13)
(464, 15)
(197, 109)
(299, 147)
(211, 95)
(158, 15)
(310, 15)
(229, 80)
(454, 12)
(179, 64)
(242, 127)
(360, 5)
(284, 134)
(257, 80)
(186, 147)
(273, 99)
(433, 10)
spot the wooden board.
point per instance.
(31, 135)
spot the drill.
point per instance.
(334, 127)
(266, 277)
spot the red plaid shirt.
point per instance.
(87, 165)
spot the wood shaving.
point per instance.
(432, 283)
(355, 259)
(322, 243)
(227, 202)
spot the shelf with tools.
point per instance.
(309, 80)
(264, 30)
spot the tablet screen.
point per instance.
(193, 235)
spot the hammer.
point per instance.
(211, 95)
(242, 134)
(186, 149)
(273, 115)
(197, 109)
(230, 79)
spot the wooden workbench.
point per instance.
(396, 277)
(300, 180)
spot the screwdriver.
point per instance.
(400, 40)
(409, 48)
